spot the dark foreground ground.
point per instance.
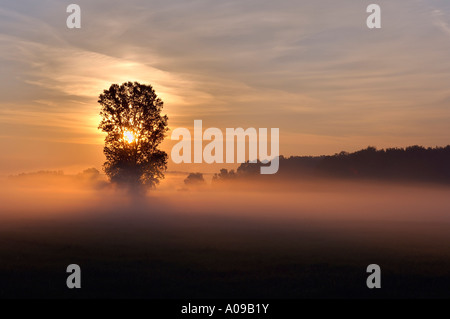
(219, 260)
(190, 255)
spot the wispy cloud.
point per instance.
(310, 68)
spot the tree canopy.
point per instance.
(131, 117)
(413, 163)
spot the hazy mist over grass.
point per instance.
(56, 196)
(231, 239)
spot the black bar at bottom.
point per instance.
(223, 308)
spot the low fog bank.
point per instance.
(228, 239)
(55, 196)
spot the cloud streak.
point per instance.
(312, 69)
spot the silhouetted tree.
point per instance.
(194, 179)
(131, 117)
(224, 175)
(414, 163)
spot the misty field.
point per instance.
(237, 240)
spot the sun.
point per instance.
(128, 136)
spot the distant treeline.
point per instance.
(414, 163)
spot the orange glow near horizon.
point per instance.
(324, 99)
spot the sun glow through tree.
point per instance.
(129, 136)
(131, 117)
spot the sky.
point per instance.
(310, 68)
